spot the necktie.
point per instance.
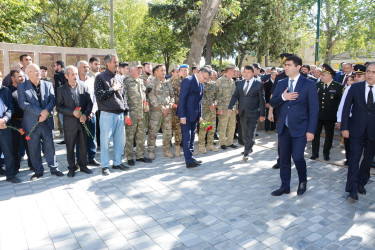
(290, 90)
(247, 86)
(325, 86)
(370, 98)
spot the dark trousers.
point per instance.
(248, 126)
(268, 125)
(347, 148)
(291, 147)
(97, 128)
(91, 144)
(17, 139)
(44, 133)
(188, 135)
(359, 175)
(239, 130)
(71, 136)
(6, 148)
(329, 127)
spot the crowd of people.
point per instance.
(127, 102)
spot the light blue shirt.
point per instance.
(2, 108)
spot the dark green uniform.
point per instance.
(329, 100)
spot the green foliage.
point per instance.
(15, 17)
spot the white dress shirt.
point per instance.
(341, 106)
(294, 85)
(89, 83)
(368, 90)
(248, 83)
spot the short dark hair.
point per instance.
(206, 70)
(273, 68)
(145, 63)
(173, 70)
(93, 59)
(123, 64)
(296, 60)
(306, 66)
(194, 67)
(249, 67)
(22, 56)
(261, 70)
(43, 67)
(369, 64)
(14, 71)
(61, 63)
(156, 68)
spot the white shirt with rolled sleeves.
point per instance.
(89, 83)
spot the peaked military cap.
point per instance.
(327, 69)
(284, 56)
(359, 69)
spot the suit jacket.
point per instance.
(28, 101)
(253, 103)
(190, 99)
(66, 105)
(303, 112)
(6, 97)
(341, 78)
(362, 122)
(267, 85)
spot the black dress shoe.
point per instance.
(313, 157)
(276, 166)
(352, 196)
(35, 176)
(57, 173)
(326, 158)
(301, 188)
(121, 167)
(13, 179)
(71, 173)
(144, 159)
(196, 161)
(94, 162)
(105, 171)
(85, 170)
(223, 147)
(280, 191)
(131, 162)
(233, 146)
(362, 190)
(61, 143)
(192, 165)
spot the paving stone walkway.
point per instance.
(223, 204)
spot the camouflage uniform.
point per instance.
(161, 96)
(136, 97)
(176, 127)
(227, 124)
(146, 79)
(209, 97)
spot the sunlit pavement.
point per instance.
(223, 204)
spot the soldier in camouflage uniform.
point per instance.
(182, 72)
(146, 72)
(136, 96)
(208, 115)
(227, 124)
(161, 97)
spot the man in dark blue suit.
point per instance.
(359, 128)
(299, 110)
(37, 99)
(189, 111)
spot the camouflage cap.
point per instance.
(136, 64)
(230, 66)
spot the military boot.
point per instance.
(168, 154)
(202, 150)
(212, 148)
(177, 152)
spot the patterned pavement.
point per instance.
(223, 204)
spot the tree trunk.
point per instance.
(259, 58)
(208, 49)
(220, 63)
(266, 61)
(241, 57)
(199, 38)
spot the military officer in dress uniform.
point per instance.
(330, 93)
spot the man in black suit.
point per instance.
(329, 93)
(59, 80)
(347, 69)
(359, 128)
(250, 96)
(71, 97)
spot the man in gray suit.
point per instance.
(251, 106)
(73, 100)
(37, 99)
